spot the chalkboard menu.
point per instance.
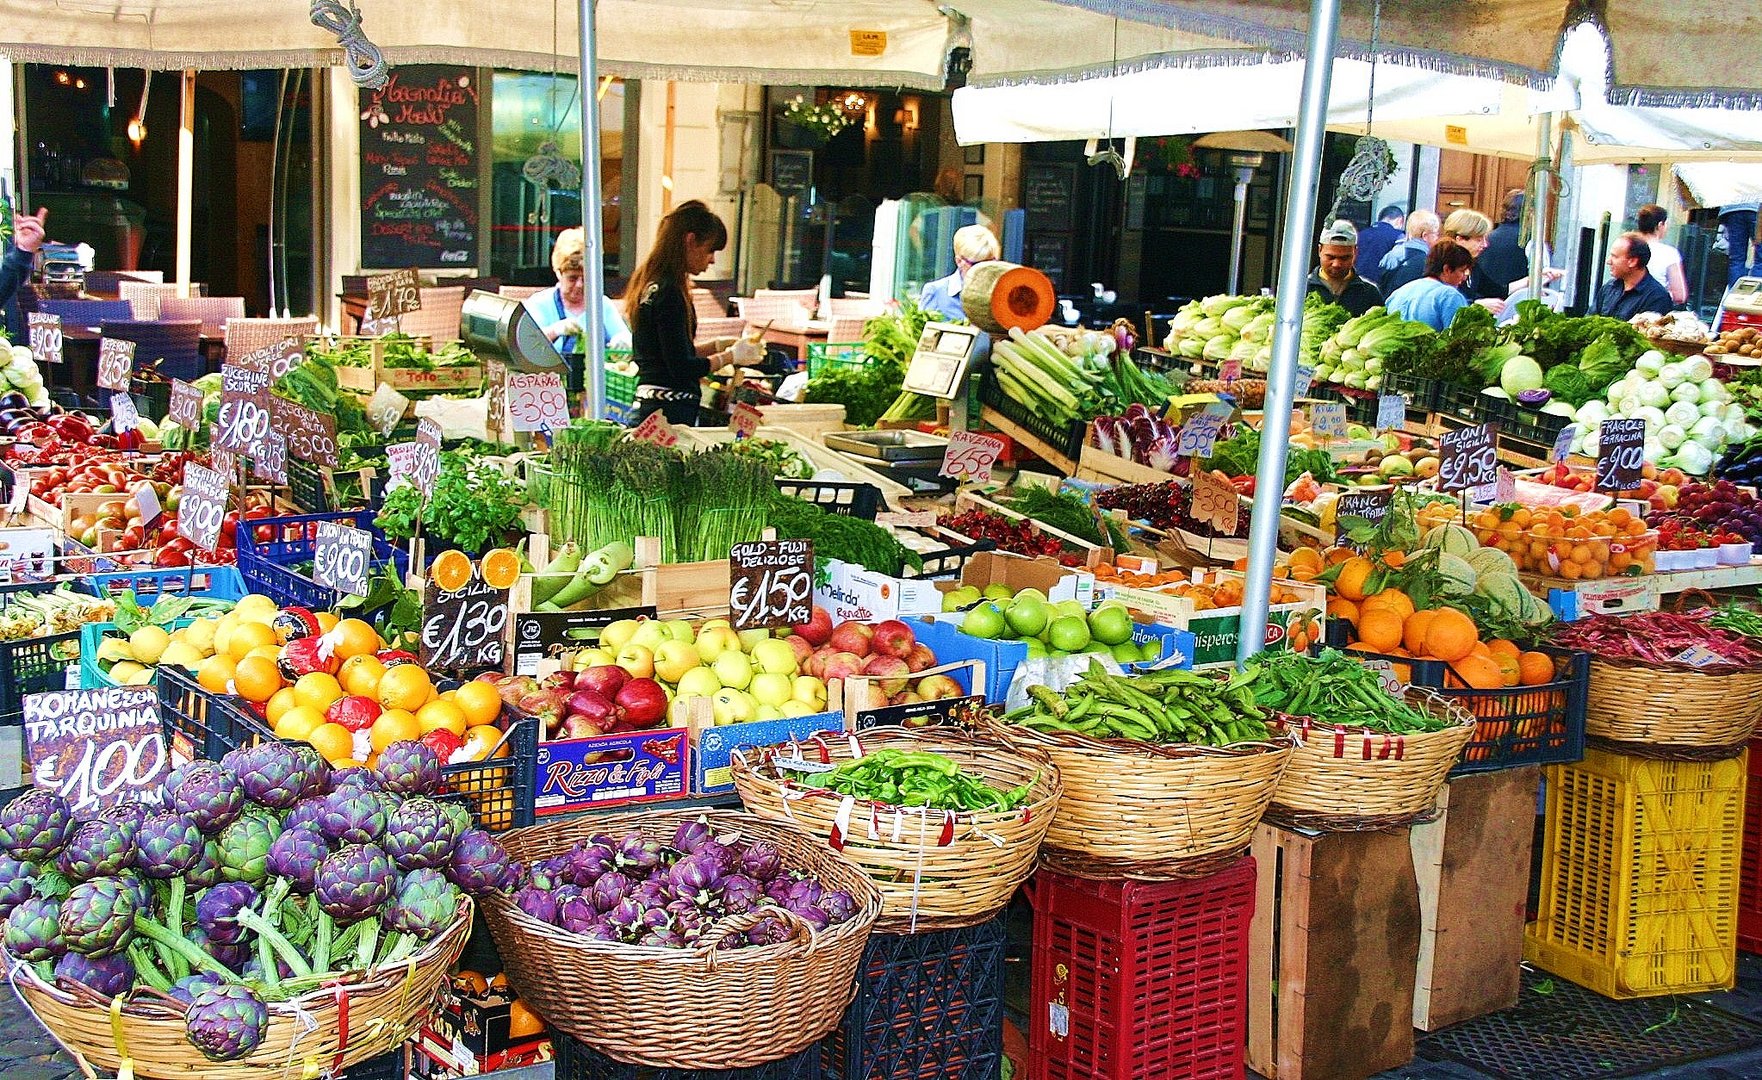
(1050, 254)
(419, 168)
(1047, 192)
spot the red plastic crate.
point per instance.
(1750, 880)
(1138, 980)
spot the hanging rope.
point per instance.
(1372, 161)
(548, 169)
(365, 62)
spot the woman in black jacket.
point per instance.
(663, 324)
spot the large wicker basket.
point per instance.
(700, 1008)
(325, 1031)
(1154, 813)
(936, 870)
(1672, 710)
(1348, 779)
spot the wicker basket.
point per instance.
(936, 870)
(1347, 779)
(1678, 348)
(318, 1033)
(1672, 711)
(687, 1008)
(1154, 813)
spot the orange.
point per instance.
(468, 981)
(271, 653)
(394, 725)
(318, 689)
(1501, 647)
(479, 701)
(1479, 672)
(1535, 668)
(215, 673)
(498, 981)
(327, 621)
(299, 722)
(1306, 559)
(360, 675)
(450, 571)
(482, 739)
(442, 714)
(333, 741)
(500, 568)
(404, 686)
(356, 638)
(1354, 573)
(1508, 669)
(1392, 600)
(255, 678)
(1413, 631)
(1379, 629)
(1342, 609)
(523, 1023)
(247, 636)
(1451, 635)
(279, 704)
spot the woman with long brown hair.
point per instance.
(663, 324)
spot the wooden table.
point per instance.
(797, 338)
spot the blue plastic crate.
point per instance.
(212, 582)
(578, 1061)
(268, 565)
(928, 1006)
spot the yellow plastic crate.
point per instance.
(1640, 869)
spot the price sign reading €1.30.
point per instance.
(1468, 458)
(45, 333)
(203, 507)
(1621, 448)
(1199, 434)
(969, 456)
(116, 360)
(772, 583)
(123, 414)
(340, 560)
(463, 629)
(536, 401)
(1215, 502)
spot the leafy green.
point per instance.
(1067, 513)
(1559, 339)
(864, 392)
(1239, 455)
(1454, 356)
(394, 611)
(1321, 320)
(1569, 384)
(838, 536)
(474, 505)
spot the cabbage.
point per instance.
(1560, 408)
(1672, 436)
(21, 353)
(1593, 413)
(1688, 391)
(1650, 362)
(1682, 413)
(1697, 369)
(1238, 317)
(1670, 375)
(1520, 373)
(1709, 432)
(1373, 365)
(1497, 392)
(1654, 393)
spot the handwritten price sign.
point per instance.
(45, 333)
(1468, 458)
(186, 405)
(969, 456)
(1621, 450)
(536, 401)
(745, 421)
(244, 408)
(277, 358)
(654, 428)
(311, 435)
(269, 461)
(1230, 370)
(1305, 376)
(341, 558)
(463, 629)
(97, 748)
(116, 360)
(123, 414)
(386, 408)
(393, 294)
(1215, 503)
(200, 513)
(771, 583)
(1391, 412)
(1563, 442)
(1199, 434)
(1329, 419)
(1372, 506)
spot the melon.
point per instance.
(1452, 539)
(1506, 591)
(1459, 577)
(1488, 560)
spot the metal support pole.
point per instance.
(1541, 184)
(593, 260)
(1566, 229)
(1244, 176)
(186, 178)
(1275, 436)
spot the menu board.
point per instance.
(1048, 195)
(419, 168)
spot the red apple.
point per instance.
(803, 649)
(893, 638)
(841, 665)
(594, 705)
(580, 727)
(889, 671)
(644, 702)
(818, 629)
(920, 658)
(852, 637)
(604, 679)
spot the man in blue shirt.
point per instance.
(1631, 288)
(1378, 240)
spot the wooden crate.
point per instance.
(1099, 466)
(674, 590)
(1473, 867)
(1332, 953)
(364, 381)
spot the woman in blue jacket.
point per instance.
(973, 244)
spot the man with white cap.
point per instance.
(1334, 279)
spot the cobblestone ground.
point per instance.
(26, 1050)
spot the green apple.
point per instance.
(587, 658)
(997, 592)
(711, 624)
(1125, 653)
(750, 638)
(1036, 648)
(793, 708)
(680, 629)
(1068, 633)
(731, 706)
(699, 682)
(775, 657)
(809, 691)
(984, 621)
(965, 596)
(734, 669)
(649, 634)
(1070, 607)
(767, 712)
(617, 635)
(713, 641)
(638, 660)
(769, 688)
(674, 658)
(1027, 615)
(1111, 624)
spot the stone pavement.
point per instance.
(26, 1050)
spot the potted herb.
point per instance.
(807, 127)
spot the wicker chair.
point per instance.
(144, 296)
(175, 348)
(85, 313)
(244, 336)
(521, 292)
(439, 317)
(213, 311)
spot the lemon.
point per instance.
(148, 642)
(115, 648)
(181, 653)
(223, 628)
(140, 678)
(255, 603)
(201, 634)
(122, 672)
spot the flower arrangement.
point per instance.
(1170, 153)
(820, 121)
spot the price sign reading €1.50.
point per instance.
(116, 360)
(969, 456)
(536, 401)
(772, 583)
(203, 507)
(340, 560)
(269, 459)
(1215, 502)
(463, 629)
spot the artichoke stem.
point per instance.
(265, 931)
(196, 958)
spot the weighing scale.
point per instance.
(1742, 306)
(505, 337)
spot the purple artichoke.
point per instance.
(17, 883)
(295, 855)
(608, 889)
(354, 883)
(653, 892)
(726, 858)
(662, 939)
(318, 770)
(639, 854)
(839, 906)
(740, 894)
(409, 768)
(626, 914)
(33, 930)
(352, 815)
(233, 957)
(548, 874)
(542, 904)
(691, 835)
(813, 916)
(51, 884)
(226, 1022)
(769, 930)
(696, 878)
(97, 918)
(480, 865)
(804, 894)
(424, 906)
(244, 847)
(186, 988)
(218, 908)
(575, 915)
(305, 812)
(110, 976)
(777, 890)
(128, 815)
(167, 845)
(206, 872)
(97, 848)
(35, 826)
(419, 835)
(359, 777)
(761, 861)
(207, 794)
(586, 862)
(601, 931)
(278, 776)
(254, 970)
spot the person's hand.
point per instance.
(721, 361)
(1553, 273)
(747, 351)
(721, 344)
(28, 231)
(1493, 304)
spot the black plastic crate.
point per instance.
(851, 500)
(308, 488)
(1066, 439)
(32, 665)
(928, 1007)
(949, 561)
(1421, 392)
(199, 724)
(1361, 406)
(1462, 402)
(578, 1061)
(1514, 725)
(391, 1065)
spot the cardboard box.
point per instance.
(435, 1061)
(1018, 572)
(612, 770)
(1217, 630)
(1000, 657)
(713, 748)
(855, 593)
